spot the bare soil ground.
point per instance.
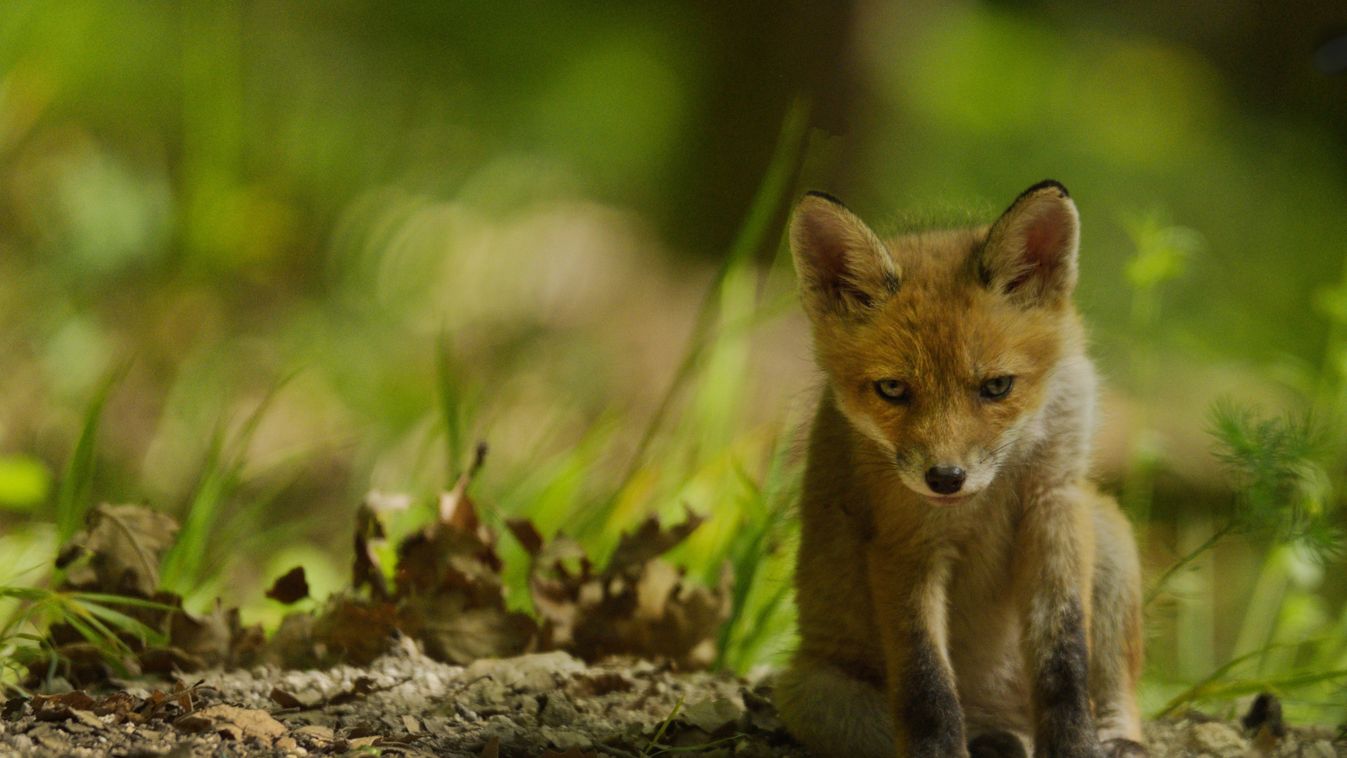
(548, 704)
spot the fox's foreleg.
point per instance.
(909, 595)
(1054, 565)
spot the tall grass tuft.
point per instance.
(761, 556)
(94, 616)
(184, 569)
(761, 230)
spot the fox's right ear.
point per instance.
(843, 267)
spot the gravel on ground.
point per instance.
(547, 704)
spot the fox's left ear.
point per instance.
(1030, 253)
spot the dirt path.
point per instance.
(540, 705)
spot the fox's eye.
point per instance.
(892, 390)
(997, 387)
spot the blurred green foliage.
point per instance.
(24, 482)
(452, 222)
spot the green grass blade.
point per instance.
(121, 621)
(452, 405)
(74, 495)
(101, 598)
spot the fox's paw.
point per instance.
(1121, 748)
(996, 745)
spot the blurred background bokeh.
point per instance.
(384, 231)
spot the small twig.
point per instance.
(1183, 562)
(478, 458)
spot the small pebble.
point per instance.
(466, 713)
(558, 711)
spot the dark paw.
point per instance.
(1265, 715)
(996, 745)
(1121, 748)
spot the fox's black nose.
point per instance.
(945, 480)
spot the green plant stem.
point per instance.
(1183, 562)
(664, 726)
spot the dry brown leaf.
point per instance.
(121, 704)
(208, 637)
(354, 631)
(456, 633)
(61, 707)
(124, 545)
(449, 586)
(527, 534)
(447, 561)
(292, 587)
(316, 733)
(366, 570)
(87, 718)
(12, 708)
(491, 749)
(639, 605)
(234, 722)
(361, 687)
(185, 695)
(456, 554)
(561, 583)
(455, 509)
(72, 699)
(648, 542)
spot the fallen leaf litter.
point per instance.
(446, 591)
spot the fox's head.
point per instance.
(941, 347)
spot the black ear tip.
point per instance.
(1045, 184)
(825, 196)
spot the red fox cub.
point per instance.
(963, 589)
